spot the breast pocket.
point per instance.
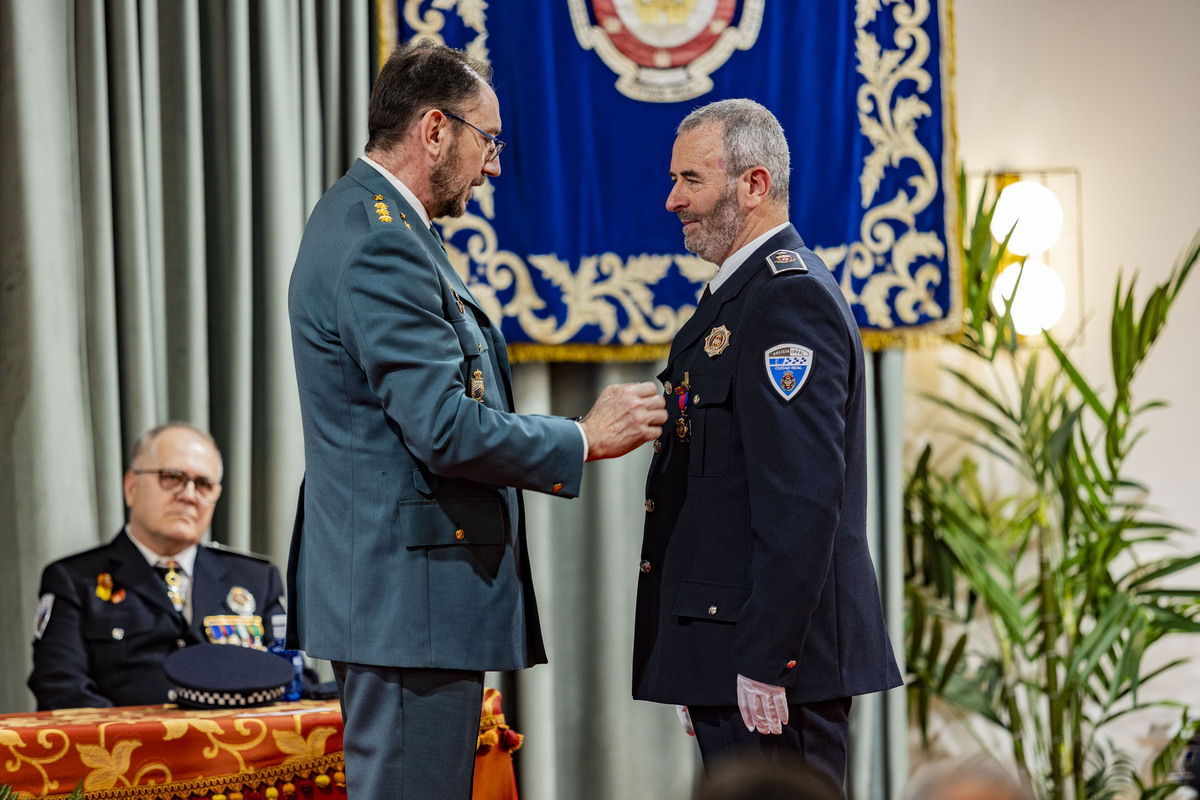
(711, 412)
(109, 634)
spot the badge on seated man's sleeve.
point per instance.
(788, 368)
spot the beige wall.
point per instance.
(1113, 89)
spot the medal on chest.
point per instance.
(683, 425)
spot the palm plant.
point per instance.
(1034, 609)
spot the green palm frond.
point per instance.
(1033, 610)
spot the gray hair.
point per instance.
(752, 138)
(144, 445)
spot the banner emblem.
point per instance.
(788, 367)
(664, 50)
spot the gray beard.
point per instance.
(721, 226)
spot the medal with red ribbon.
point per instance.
(683, 426)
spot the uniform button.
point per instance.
(645, 566)
(657, 445)
(180, 644)
(696, 399)
(481, 347)
(118, 633)
(712, 611)
(791, 664)
(557, 488)
(649, 504)
(460, 534)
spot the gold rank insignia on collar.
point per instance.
(382, 210)
(716, 341)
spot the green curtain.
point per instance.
(157, 163)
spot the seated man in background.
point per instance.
(108, 617)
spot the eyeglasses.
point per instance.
(176, 480)
(495, 146)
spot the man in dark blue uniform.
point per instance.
(110, 616)
(758, 610)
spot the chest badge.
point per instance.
(716, 341)
(477, 386)
(240, 600)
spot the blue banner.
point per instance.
(571, 247)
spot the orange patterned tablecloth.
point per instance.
(287, 750)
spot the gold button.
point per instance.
(712, 611)
(481, 347)
(460, 534)
(557, 488)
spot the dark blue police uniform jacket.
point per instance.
(754, 557)
(409, 546)
(98, 651)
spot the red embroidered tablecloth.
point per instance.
(286, 750)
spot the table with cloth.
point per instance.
(286, 750)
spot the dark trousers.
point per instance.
(409, 734)
(817, 733)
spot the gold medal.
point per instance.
(477, 386)
(683, 426)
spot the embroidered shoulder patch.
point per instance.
(788, 368)
(45, 606)
(786, 261)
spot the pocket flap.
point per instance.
(115, 624)
(453, 520)
(709, 388)
(706, 600)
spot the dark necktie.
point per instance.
(704, 296)
(437, 236)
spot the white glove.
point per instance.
(764, 706)
(685, 719)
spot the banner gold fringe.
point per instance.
(387, 28)
(527, 352)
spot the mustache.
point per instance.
(686, 217)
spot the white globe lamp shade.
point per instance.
(1034, 210)
(1041, 296)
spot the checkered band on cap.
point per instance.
(228, 699)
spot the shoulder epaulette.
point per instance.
(224, 548)
(782, 261)
(384, 214)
